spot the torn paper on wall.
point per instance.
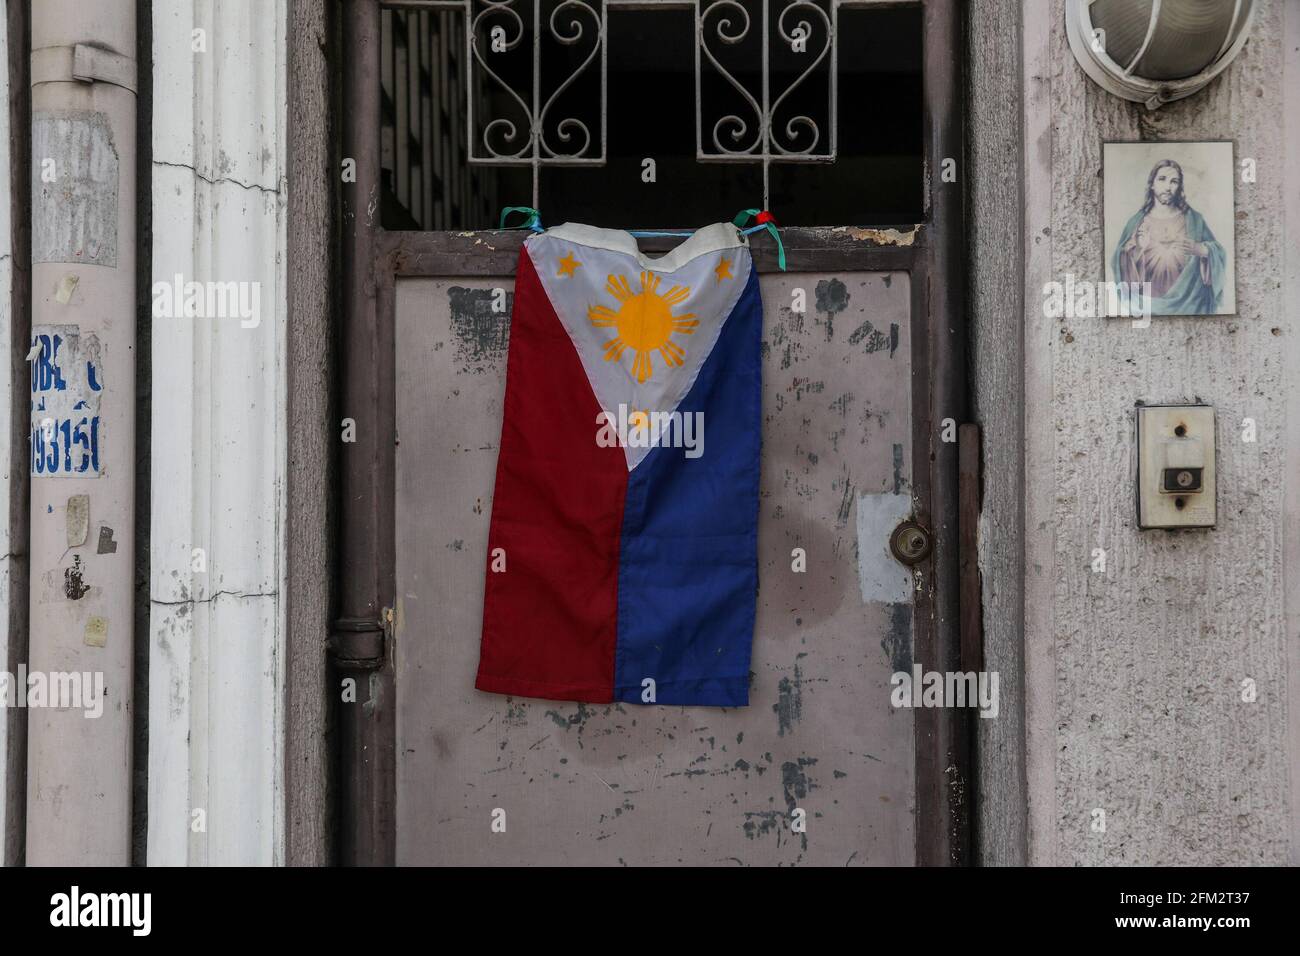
(66, 383)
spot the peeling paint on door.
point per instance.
(880, 575)
(480, 322)
(789, 702)
(897, 642)
(588, 783)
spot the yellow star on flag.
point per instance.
(567, 265)
(724, 269)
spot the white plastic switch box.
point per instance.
(1176, 474)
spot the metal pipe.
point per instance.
(943, 752)
(360, 640)
(82, 584)
(13, 642)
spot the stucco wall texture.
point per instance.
(1138, 709)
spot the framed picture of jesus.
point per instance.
(1168, 225)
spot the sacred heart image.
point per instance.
(1168, 223)
(622, 552)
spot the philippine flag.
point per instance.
(622, 555)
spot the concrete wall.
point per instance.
(995, 280)
(310, 434)
(1290, 295)
(1133, 689)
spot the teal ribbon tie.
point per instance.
(763, 220)
(533, 220)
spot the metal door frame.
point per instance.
(372, 260)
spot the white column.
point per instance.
(218, 439)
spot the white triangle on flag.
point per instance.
(643, 327)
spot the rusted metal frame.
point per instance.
(970, 448)
(13, 841)
(361, 637)
(972, 625)
(943, 753)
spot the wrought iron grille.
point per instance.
(809, 34)
(736, 41)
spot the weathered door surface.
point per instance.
(625, 784)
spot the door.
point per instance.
(861, 362)
(818, 769)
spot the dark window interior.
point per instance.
(651, 113)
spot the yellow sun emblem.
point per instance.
(645, 322)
